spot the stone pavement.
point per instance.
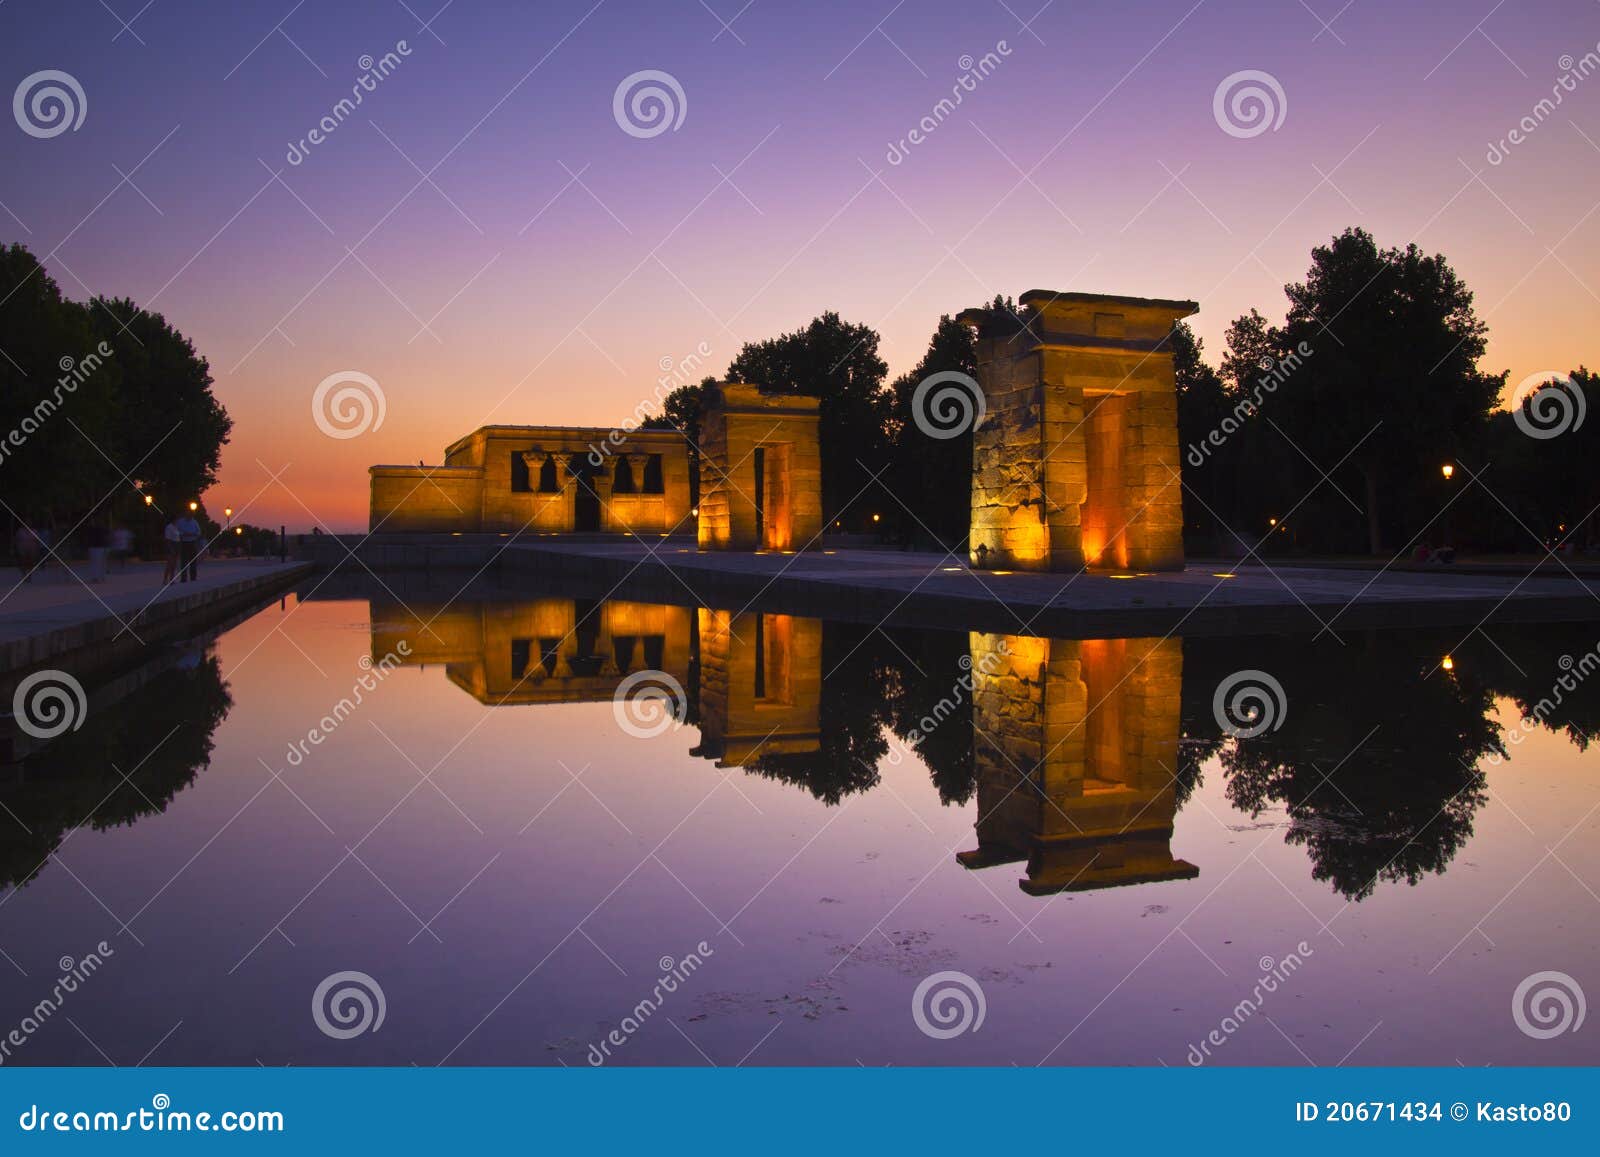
(1207, 597)
(57, 614)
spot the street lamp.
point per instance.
(227, 511)
(193, 506)
(149, 499)
(1448, 470)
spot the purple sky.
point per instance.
(551, 261)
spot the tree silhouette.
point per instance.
(680, 411)
(1389, 382)
(1375, 757)
(932, 477)
(159, 737)
(52, 421)
(101, 404)
(169, 429)
(838, 362)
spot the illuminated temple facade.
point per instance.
(541, 479)
(1076, 461)
(760, 479)
(760, 470)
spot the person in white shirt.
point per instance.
(172, 538)
(188, 546)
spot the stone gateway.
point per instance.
(1076, 461)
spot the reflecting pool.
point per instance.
(511, 829)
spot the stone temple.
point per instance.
(760, 479)
(1076, 461)
(1075, 464)
(540, 479)
(760, 470)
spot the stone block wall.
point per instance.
(1008, 450)
(424, 498)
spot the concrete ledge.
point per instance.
(89, 636)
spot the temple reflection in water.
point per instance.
(1073, 743)
(542, 650)
(1077, 754)
(760, 686)
(1076, 750)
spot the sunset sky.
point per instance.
(550, 262)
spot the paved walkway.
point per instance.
(58, 611)
(55, 586)
(1206, 596)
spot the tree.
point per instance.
(55, 396)
(838, 362)
(1202, 407)
(680, 411)
(933, 476)
(98, 403)
(170, 428)
(1389, 380)
(1542, 467)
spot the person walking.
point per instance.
(171, 537)
(189, 546)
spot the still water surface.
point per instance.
(444, 797)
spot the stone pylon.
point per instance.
(760, 470)
(1076, 462)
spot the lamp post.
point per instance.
(1448, 471)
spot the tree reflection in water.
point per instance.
(1375, 757)
(885, 680)
(1380, 761)
(127, 761)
